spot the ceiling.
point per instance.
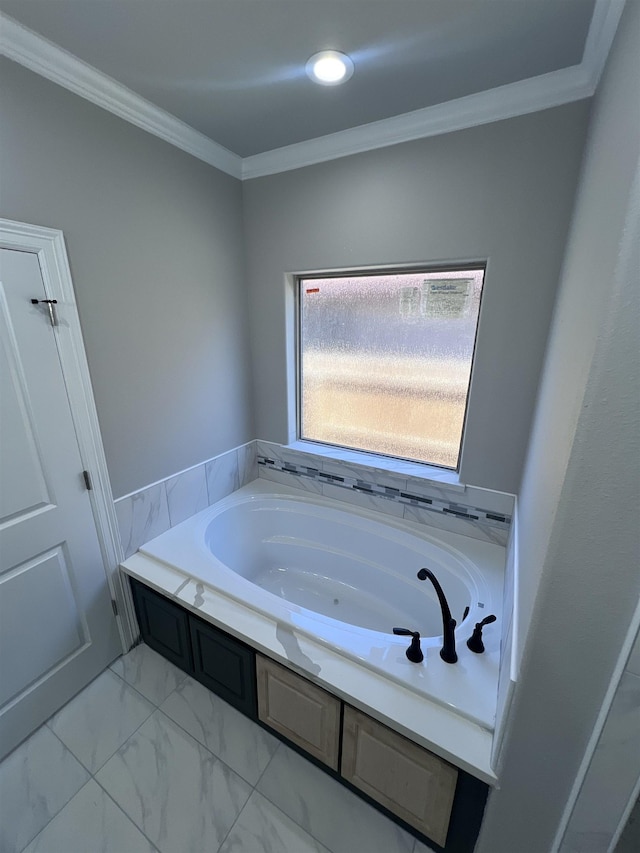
(233, 70)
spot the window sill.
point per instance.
(427, 473)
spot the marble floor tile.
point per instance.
(150, 673)
(100, 719)
(90, 823)
(36, 780)
(329, 812)
(238, 741)
(263, 828)
(180, 795)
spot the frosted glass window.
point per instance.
(385, 361)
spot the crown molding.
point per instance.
(604, 23)
(514, 99)
(525, 96)
(50, 61)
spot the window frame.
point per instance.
(350, 453)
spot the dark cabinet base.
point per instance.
(223, 664)
(227, 667)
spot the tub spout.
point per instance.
(448, 650)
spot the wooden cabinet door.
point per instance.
(305, 714)
(164, 626)
(225, 665)
(405, 778)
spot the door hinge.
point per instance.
(87, 480)
(114, 606)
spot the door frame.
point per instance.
(49, 246)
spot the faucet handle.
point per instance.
(414, 652)
(475, 640)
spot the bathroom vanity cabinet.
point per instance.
(435, 800)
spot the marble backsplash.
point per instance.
(480, 513)
(147, 513)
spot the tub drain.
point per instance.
(336, 601)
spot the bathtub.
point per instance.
(343, 577)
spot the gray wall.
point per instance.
(154, 238)
(503, 191)
(579, 541)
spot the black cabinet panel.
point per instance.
(164, 626)
(224, 665)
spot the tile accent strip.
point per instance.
(436, 505)
(159, 506)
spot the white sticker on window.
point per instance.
(445, 298)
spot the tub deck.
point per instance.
(449, 709)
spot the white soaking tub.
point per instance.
(341, 577)
(341, 569)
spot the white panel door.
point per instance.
(57, 627)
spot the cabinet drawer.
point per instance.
(164, 626)
(224, 665)
(405, 778)
(305, 714)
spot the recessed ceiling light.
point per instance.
(329, 67)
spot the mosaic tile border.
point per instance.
(399, 496)
(150, 511)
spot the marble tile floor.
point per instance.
(147, 760)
